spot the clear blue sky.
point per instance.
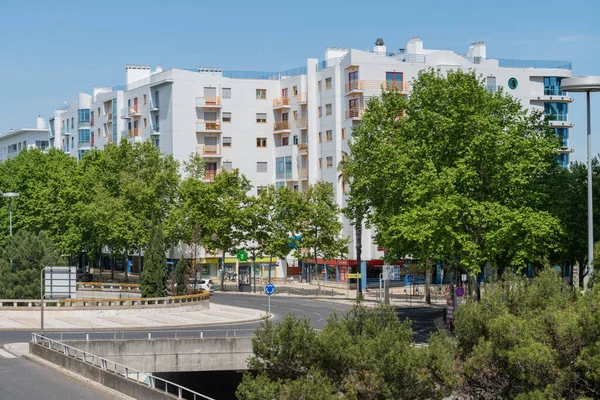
(52, 50)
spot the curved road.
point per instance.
(22, 379)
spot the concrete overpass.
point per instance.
(172, 355)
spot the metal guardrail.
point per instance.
(106, 302)
(116, 368)
(152, 335)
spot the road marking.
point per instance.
(241, 301)
(6, 354)
(296, 309)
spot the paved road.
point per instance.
(21, 379)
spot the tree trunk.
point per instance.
(358, 235)
(428, 285)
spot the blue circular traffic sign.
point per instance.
(269, 289)
(460, 292)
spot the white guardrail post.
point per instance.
(70, 351)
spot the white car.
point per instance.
(207, 285)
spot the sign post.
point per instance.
(56, 283)
(269, 290)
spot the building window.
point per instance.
(329, 135)
(226, 117)
(394, 80)
(226, 93)
(145, 99)
(294, 115)
(320, 163)
(261, 118)
(260, 189)
(145, 123)
(261, 166)
(83, 115)
(328, 109)
(343, 133)
(285, 140)
(99, 111)
(99, 132)
(261, 94)
(320, 111)
(295, 139)
(319, 86)
(327, 83)
(226, 141)
(320, 137)
(42, 144)
(556, 111)
(227, 166)
(288, 167)
(83, 136)
(329, 161)
(279, 167)
(552, 87)
(72, 123)
(295, 90)
(261, 142)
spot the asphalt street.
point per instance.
(23, 380)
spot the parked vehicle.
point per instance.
(206, 285)
(84, 276)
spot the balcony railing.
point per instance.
(155, 129)
(209, 175)
(302, 173)
(109, 117)
(302, 146)
(208, 126)
(133, 132)
(557, 117)
(355, 112)
(302, 97)
(376, 85)
(281, 125)
(302, 123)
(554, 92)
(209, 149)
(281, 102)
(208, 101)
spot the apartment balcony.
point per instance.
(134, 132)
(209, 175)
(302, 123)
(302, 173)
(281, 103)
(109, 118)
(132, 112)
(302, 98)
(208, 102)
(209, 150)
(302, 148)
(356, 86)
(355, 113)
(553, 98)
(154, 107)
(155, 130)
(282, 127)
(208, 126)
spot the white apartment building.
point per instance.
(289, 128)
(17, 140)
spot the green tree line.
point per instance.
(131, 198)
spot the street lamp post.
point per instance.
(586, 84)
(10, 195)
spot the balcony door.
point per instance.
(284, 93)
(394, 80)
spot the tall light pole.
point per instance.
(586, 84)
(11, 196)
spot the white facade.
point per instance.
(289, 128)
(15, 141)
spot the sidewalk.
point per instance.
(127, 319)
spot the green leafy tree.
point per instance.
(154, 274)
(529, 340)
(50, 188)
(460, 188)
(21, 263)
(364, 354)
(321, 224)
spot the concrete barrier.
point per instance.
(116, 376)
(101, 290)
(173, 355)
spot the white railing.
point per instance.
(150, 302)
(128, 334)
(116, 368)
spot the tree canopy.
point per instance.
(448, 173)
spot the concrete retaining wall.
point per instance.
(106, 294)
(106, 378)
(173, 355)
